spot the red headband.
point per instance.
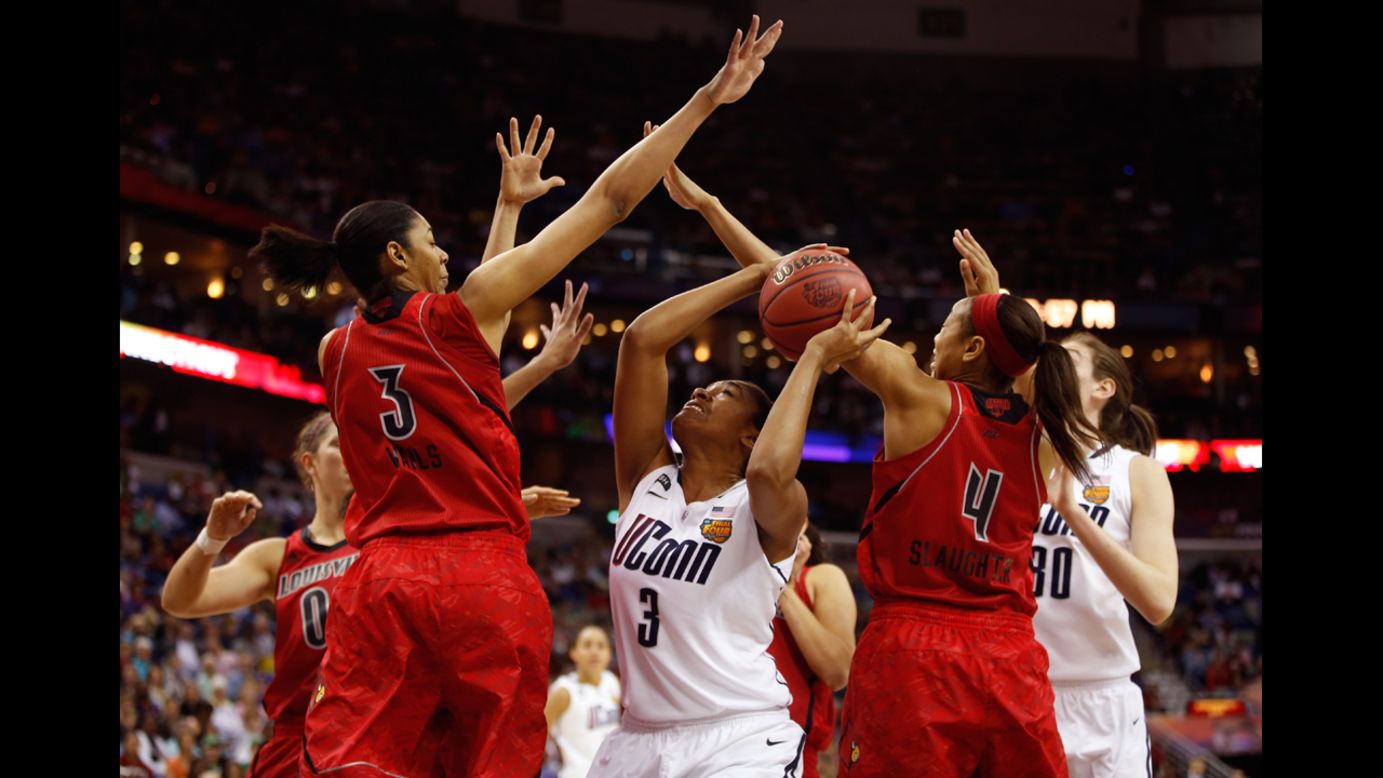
(318, 426)
(984, 311)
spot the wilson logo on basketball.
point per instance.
(824, 293)
(998, 406)
(785, 270)
(716, 530)
(1097, 494)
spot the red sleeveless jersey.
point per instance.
(951, 523)
(302, 595)
(419, 405)
(813, 706)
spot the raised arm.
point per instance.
(641, 381)
(1147, 575)
(520, 182)
(742, 244)
(775, 495)
(194, 588)
(496, 287)
(564, 339)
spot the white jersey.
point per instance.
(692, 597)
(592, 714)
(1081, 618)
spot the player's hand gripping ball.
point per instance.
(803, 295)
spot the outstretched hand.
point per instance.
(543, 501)
(978, 273)
(743, 63)
(848, 339)
(520, 178)
(568, 329)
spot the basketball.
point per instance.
(804, 294)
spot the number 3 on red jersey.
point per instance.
(401, 423)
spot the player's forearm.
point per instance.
(666, 324)
(503, 227)
(777, 453)
(519, 383)
(826, 653)
(742, 244)
(1149, 590)
(631, 177)
(186, 581)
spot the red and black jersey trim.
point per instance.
(1008, 408)
(387, 307)
(314, 545)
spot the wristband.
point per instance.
(209, 545)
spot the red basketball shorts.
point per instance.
(943, 692)
(436, 662)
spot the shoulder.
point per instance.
(266, 554)
(562, 683)
(1143, 468)
(826, 576)
(322, 347)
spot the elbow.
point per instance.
(837, 679)
(639, 337)
(172, 607)
(1159, 609)
(763, 473)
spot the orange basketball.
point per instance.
(804, 295)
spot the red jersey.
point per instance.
(302, 593)
(951, 523)
(813, 707)
(418, 402)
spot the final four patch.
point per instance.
(716, 530)
(1097, 494)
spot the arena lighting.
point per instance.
(172, 258)
(767, 344)
(773, 362)
(617, 326)
(216, 362)
(745, 336)
(215, 289)
(1215, 707)
(702, 353)
(600, 329)
(1239, 456)
(136, 248)
(1175, 455)
(1060, 313)
(750, 352)
(1097, 314)
(612, 517)
(530, 340)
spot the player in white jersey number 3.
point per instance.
(702, 552)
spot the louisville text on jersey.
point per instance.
(307, 576)
(689, 560)
(976, 564)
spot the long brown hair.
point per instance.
(1121, 422)
(1056, 394)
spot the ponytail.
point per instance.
(357, 244)
(1057, 402)
(293, 259)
